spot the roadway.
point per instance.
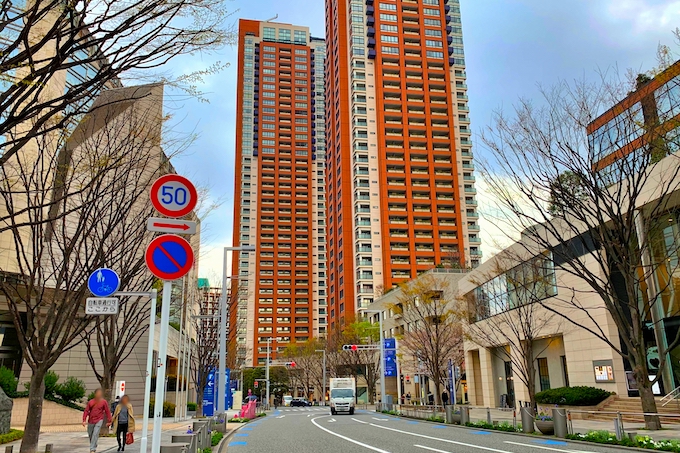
(314, 430)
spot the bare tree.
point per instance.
(362, 362)
(204, 359)
(103, 41)
(51, 256)
(602, 223)
(506, 317)
(433, 333)
(308, 370)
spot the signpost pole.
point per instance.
(382, 360)
(149, 370)
(162, 365)
(219, 392)
(396, 359)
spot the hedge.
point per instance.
(573, 396)
(11, 436)
(216, 438)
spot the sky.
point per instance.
(511, 46)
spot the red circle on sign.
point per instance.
(162, 206)
(169, 257)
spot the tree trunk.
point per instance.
(36, 395)
(437, 392)
(107, 389)
(652, 422)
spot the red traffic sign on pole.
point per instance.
(169, 257)
(173, 195)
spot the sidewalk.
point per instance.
(66, 440)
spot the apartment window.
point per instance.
(269, 48)
(391, 28)
(394, 39)
(458, 51)
(284, 35)
(268, 63)
(357, 40)
(543, 374)
(301, 59)
(430, 2)
(301, 67)
(269, 33)
(301, 105)
(392, 50)
(300, 52)
(433, 54)
(389, 17)
(300, 36)
(388, 6)
(268, 71)
(357, 8)
(431, 12)
(435, 22)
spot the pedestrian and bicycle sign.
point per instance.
(103, 282)
(169, 257)
(173, 195)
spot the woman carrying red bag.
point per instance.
(124, 423)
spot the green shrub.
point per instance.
(216, 438)
(8, 382)
(168, 408)
(51, 380)
(603, 437)
(435, 418)
(207, 450)
(11, 436)
(71, 390)
(573, 396)
(191, 407)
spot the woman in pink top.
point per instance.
(96, 411)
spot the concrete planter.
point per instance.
(546, 427)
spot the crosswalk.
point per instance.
(304, 409)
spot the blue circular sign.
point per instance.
(103, 282)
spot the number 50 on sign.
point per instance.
(173, 195)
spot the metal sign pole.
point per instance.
(162, 365)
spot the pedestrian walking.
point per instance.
(123, 421)
(408, 398)
(115, 404)
(445, 398)
(430, 399)
(96, 413)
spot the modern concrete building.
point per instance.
(279, 197)
(400, 173)
(640, 132)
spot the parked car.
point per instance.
(299, 402)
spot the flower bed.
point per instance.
(605, 437)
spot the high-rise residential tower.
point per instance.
(279, 198)
(400, 180)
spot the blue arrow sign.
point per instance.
(103, 282)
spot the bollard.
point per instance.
(527, 414)
(48, 448)
(488, 416)
(449, 414)
(560, 421)
(514, 418)
(9, 449)
(464, 415)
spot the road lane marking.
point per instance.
(331, 420)
(380, 419)
(360, 421)
(431, 449)
(546, 448)
(356, 442)
(281, 416)
(442, 440)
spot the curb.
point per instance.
(528, 436)
(222, 446)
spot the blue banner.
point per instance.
(389, 345)
(452, 382)
(209, 395)
(228, 398)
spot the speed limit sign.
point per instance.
(173, 195)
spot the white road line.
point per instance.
(281, 416)
(545, 448)
(431, 449)
(380, 419)
(360, 421)
(356, 442)
(441, 440)
(331, 420)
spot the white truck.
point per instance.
(342, 395)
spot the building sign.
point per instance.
(604, 370)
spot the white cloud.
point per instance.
(645, 15)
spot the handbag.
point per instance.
(129, 439)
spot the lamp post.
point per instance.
(382, 352)
(323, 395)
(223, 329)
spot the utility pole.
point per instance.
(266, 372)
(323, 396)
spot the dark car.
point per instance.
(299, 402)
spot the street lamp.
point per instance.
(382, 352)
(223, 328)
(323, 395)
